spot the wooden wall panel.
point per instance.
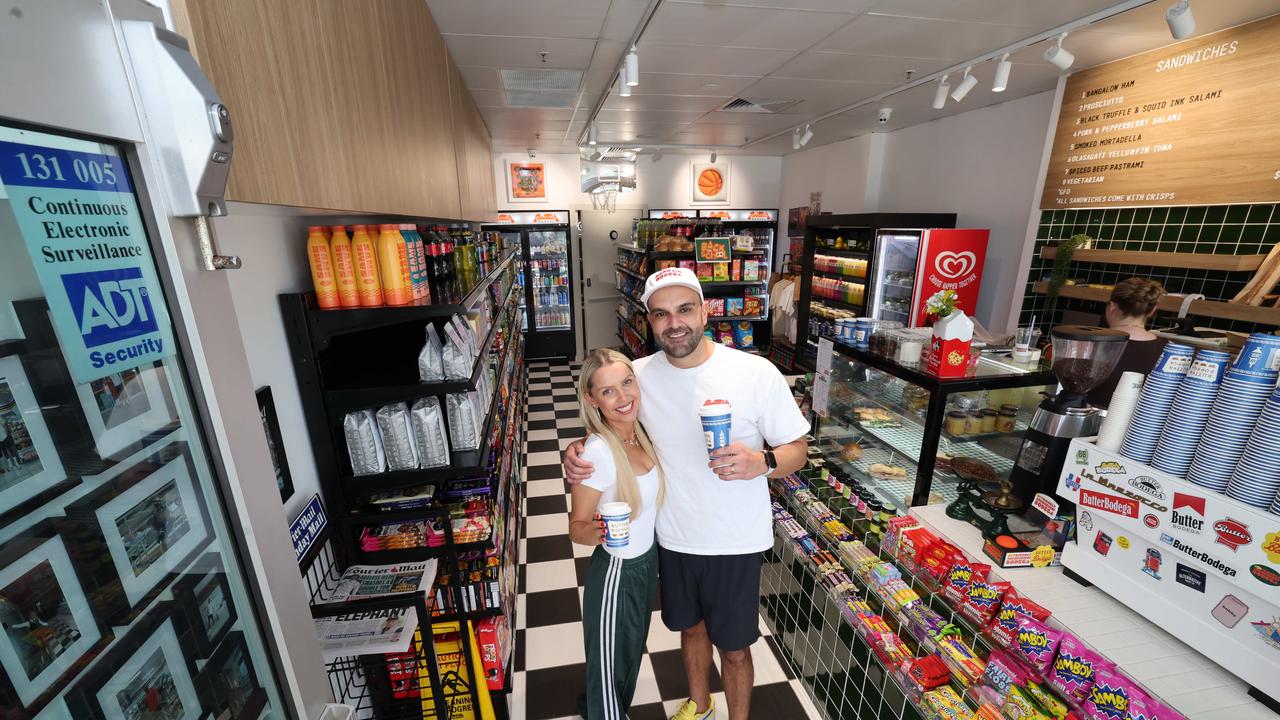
(474, 151)
(337, 104)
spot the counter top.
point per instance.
(1188, 681)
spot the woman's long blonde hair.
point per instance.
(628, 489)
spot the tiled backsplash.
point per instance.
(1216, 229)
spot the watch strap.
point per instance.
(770, 461)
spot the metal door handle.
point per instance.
(588, 282)
(209, 250)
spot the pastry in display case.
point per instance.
(911, 438)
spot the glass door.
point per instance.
(121, 594)
(548, 269)
(511, 238)
(895, 274)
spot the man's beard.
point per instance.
(679, 349)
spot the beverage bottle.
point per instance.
(415, 261)
(365, 258)
(344, 271)
(447, 265)
(322, 278)
(470, 245)
(420, 247)
(393, 261)
(436, 266)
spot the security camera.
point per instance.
(884, 115)
(532, 153)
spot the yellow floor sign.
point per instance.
(454, 677)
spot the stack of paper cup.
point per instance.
(1189, 412)
(1123, 402)
(1256, 479)
(1143, 433)
(1245, 388)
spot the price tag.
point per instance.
(826, 349)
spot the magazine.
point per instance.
(374, 631)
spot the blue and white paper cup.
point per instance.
(1259, 359)
(1234, 415)
(717, 421)
(1189, 412)
(1153, 403)
(617, 524)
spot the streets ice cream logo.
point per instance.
(1148, 486)
(953, 265)
(1188, 513)
(1232, 533)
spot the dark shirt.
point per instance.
(1138, 356)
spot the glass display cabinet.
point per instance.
(911, 438)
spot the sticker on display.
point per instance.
(77, 213)
(1109, 503)
(1191, 577)
(1271, 546)
(1072, 483)
(1265, 574)
(1232, 533)
(1109, 467)
(1191, 517)
(1123, 542)
(1269, 632)
(1086, 520)
(1045, 504)
(1082, 457)
(1148, 486)
(1230, 611)
(1151, 566)
(1127, 492)
(1102, 543)
(1202, 556)
(1151, 521)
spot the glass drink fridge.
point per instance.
(908, 266)
(549, 303)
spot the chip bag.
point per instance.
(1005, 627)
(1037, 643)
(1073, 670)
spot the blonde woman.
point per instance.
(620, 580)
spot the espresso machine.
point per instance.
(1083, 356)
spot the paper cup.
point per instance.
(717, 420)
(617, 524)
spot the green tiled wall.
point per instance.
(1216, 229)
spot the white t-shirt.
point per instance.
(604, 478)
(704, 515)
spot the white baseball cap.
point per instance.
(669, 277)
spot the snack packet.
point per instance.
(430, 358)
(364, 444)
(1003, 672)
(983, 600)
(961, 573)
(743, 337)
(1037, 643)
(429, 432)
(1005, 627)
(397, 437)
(1111, 695)
(1073, 670)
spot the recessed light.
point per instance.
(710, 86)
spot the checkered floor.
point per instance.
(549, 659)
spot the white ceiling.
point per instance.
(697, 55)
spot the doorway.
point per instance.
(598, 230)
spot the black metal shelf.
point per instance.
(838, 303)
(733, 283)
(628, 271)
(632, 301)
(448, 297)
(862, 279)
(737, 318)
(418, 554)
(673, 255)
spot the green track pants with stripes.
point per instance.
(615, 624)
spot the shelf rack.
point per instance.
(325, 342)
(1173, 303)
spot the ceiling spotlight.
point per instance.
(1181, 22)
(807, 136)
(713, 156)
(966, 84)
(940, 95)
(795, 139)
(632, 66)
(1002, 74)
(624, 89)
(1059, 56)
(597, 156)
(591, 134)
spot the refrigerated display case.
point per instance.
(913, 438)
(838, 269)
(549, 317)
(911, 265)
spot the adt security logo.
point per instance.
(112, 305)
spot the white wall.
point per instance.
(754, 182)
(843, 172)
(271, 242)
(982, 165)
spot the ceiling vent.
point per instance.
(746, 105)
(532, 80)
(527, 99)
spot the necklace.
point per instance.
(632, 441)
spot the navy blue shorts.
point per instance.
(721, 590)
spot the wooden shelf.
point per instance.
(1202, 261)
(1202, 308)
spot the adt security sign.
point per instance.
(81, 223)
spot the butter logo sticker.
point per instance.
(1109, 503)
(1232, 533)
(1271, 546)
(1202, 556)
(1188, 513)
(1148, 486)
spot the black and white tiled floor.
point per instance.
(549, 659)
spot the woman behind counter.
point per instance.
(1132, 304)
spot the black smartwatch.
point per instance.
(770, 461)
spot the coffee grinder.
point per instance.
(1083, 356)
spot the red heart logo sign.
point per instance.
(955, 264)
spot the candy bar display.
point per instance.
(957, 640)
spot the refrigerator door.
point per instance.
(512, 238)
(950, 259)
(548, 273)
(894, 274)
(122, 592)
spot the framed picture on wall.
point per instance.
(526, 181)
(275, 444)
(119, 413)
(143, 676)
(710, 182)
(47, 626)
(139, 531)
(228, 685)
(29, 462)
(207, 608)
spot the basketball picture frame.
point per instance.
(709, 182)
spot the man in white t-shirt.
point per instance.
(716, 521)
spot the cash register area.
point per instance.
(549, 661)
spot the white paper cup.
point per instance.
(909, 351)
(617, 524)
